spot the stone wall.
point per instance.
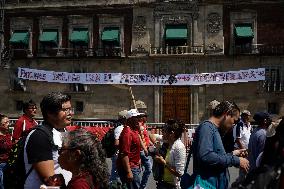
(143, 26)
(104, 101)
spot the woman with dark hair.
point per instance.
(5, 144)
(174, 159)
(82, 154)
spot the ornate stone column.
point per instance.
(30, 49)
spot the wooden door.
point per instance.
(176, 103)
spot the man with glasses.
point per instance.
(26, 122)
(42, 145)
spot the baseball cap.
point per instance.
(246, 112)
(122, 114)
(260, 116)
(133, 113)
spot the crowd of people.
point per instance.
(54, 156)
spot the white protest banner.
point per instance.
(143, 79)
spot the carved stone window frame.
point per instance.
(79, 21)
(111, 21)
(242, 17)
(51, 22)
(172, 13)
(175, 20)
(23, 23)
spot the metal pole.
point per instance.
(132, 96)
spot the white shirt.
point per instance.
(242, 131)
(191, 133)
(177, 159)
(117, 131)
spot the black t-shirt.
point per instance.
(39, 148)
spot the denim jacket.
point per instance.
(210, 160)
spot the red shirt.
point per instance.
(5, 147)
(20, 130)
(83, 181)
(129, 144)
(146, 135)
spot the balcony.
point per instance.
(21, 53)
(109, 52)
(80, 52)
(177, 50)
(261, 49)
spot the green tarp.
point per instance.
(176, 32)
(243, 31)
(49, 36)
(80, 36)
(111, 34)
(20, 37)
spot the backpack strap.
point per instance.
(46, 131)
(188, 159)
(28, 173)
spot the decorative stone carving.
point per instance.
(177, 19)
(139, 50)
(139, 27)
(213, 48)
(214, 23)
(187, 7)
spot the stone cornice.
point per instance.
(14, 4)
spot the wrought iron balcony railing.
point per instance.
(70, 52)
(263, 49)
(20, 52)
(177, 50)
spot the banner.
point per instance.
(143, 79)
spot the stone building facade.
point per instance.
(145, 36)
